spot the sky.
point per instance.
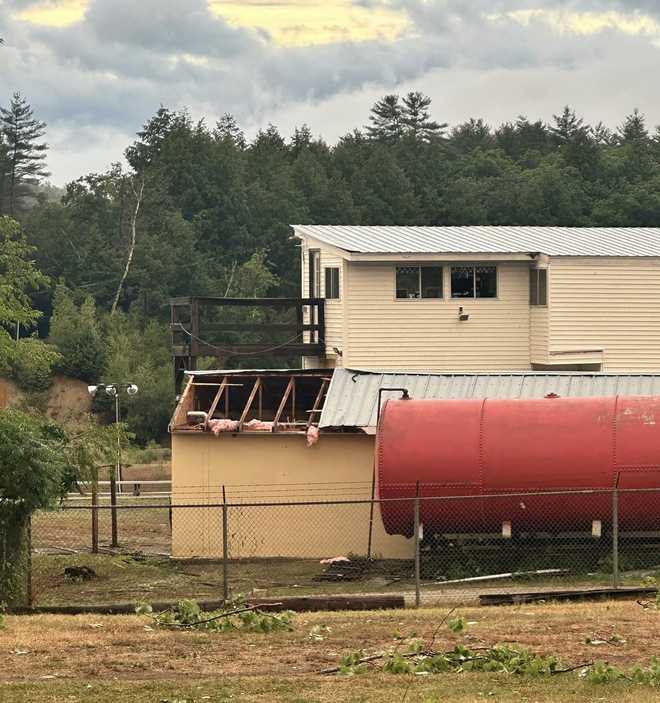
(96, 70)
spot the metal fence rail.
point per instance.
(424, 546)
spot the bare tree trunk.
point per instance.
(131, 248)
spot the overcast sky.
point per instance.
(96, 70)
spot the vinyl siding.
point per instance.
(607, 303)
(392, 334)
(539, 334)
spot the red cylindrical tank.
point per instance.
(492, 447)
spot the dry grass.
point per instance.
(124, 647)
(112, 659)
(457, 688)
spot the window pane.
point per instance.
(486, 281)
(332, 283)
(407, 281)
(462, 281)
(431, 281)
(543, 287)
(538, 287)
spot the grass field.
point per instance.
(122, 658)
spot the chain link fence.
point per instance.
(429, 548)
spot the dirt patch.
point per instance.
(68, 399)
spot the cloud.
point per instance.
(109, 71)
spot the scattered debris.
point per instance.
(509, 575)
(541, 596)
(334, 560)
(340, 570)
(79, 573)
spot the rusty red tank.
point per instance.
(489, 447)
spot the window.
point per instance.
(332, 283)
(538, 286)
(314, 273)
(419, 281)
(473, 282)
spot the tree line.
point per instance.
(201, 209)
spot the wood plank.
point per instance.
(298, 604)
(588, 594)
(248, 405)
(282, 404)
(216, 400)
(317, 402)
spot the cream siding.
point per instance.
(611, 304)
(539, 337)
(392, 334)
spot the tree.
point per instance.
(25, 154)
(227, 129)
(471, 135)
(76, 332)
(40, 462)
(386, 120)
(417, 118)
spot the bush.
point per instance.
(33, 362)
(76, 333)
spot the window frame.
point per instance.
(313, 273)
(329, 270)
(535, 298)
(474, 266)
(419, 268)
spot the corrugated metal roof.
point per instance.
(352, 397)
(553, 241)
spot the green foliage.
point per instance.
(457, 625)
(32, 363)
(76, 332)
(236, 616)
(139, 352)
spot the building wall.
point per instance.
(607, 303)
(391, 334)
(276, 468)
(539, 334)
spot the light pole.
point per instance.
(113, 390)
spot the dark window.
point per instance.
(314, 273)
(431, 281)
(419, 281)
(332, 283)
(485, 281)
(538, 287)
(473, 281)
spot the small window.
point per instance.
(332, 283)
(538, 287)
(473, 282)
(419, 281)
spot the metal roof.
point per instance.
(352, 397)
(553, 241)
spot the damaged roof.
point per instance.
(352, 398)
(552, 241)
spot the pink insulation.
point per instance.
(224, 425)
(312, 436)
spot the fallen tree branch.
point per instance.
(219, 617)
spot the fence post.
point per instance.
(95, 517)
(30, 598)
(225, 547)
(417, 552)
(113, 509)
(371, 512)
(615, 537)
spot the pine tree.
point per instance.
(417, 118)
(633, 130)
(227, 129)
(25, 154)
(568, 127)
(386, 120)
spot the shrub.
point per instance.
(32, 363)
